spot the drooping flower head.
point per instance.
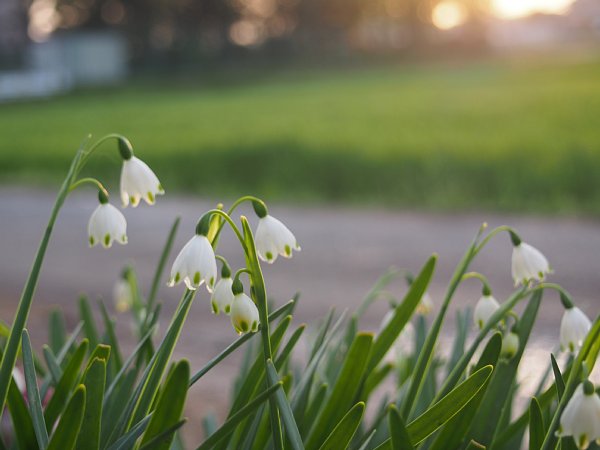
(272, 237)
(196, 264)
(528, 263)
(486, 306)
(106, 224)
(574, 326)
(244, 313)
(222, 296)
(122, 294)
(137, 179)
(581, 416)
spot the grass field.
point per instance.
(521, 136)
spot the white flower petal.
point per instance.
(222, 296)
(581, 418)
(107, 224)
(273, 238)
(195, 264)
(528, 264)
(138, 181)
(574, 327)
(486, 306)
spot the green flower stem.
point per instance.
(241, 271)
(233, 207)
(231, 223)
(491, 234)
(259, 295)
(480, 277)
(12, 346)
(95, 145)
(88, 180)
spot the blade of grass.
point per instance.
(344, 431)
(33, 395)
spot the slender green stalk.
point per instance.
(260, 296)
(14, 340)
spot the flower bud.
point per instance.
(244, 314)
(510, 345)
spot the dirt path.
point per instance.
(343, 252)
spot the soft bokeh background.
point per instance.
(380, 131)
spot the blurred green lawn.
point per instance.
(498, 135)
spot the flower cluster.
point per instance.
(196, 264)
(107, 223)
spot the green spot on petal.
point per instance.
(92, 241)
(197, 278)
(177, 277)
(227, 309)
(215, 308)
(107, 239)
(269, 256)
(244, 326)
(288, 250)
(150, 197)
(160, 188)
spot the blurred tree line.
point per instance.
(178, 31)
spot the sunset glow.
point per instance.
(448, 14)
(513, 9)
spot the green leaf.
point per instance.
(475, 446)
(67, 430)
(402, 314)
(94, 380)
(496, 402)
(558, 378)
(238, 417)
(313, 408)
(160, 267)
(399, 436)
(127, 441)
(344, 431)
(52, 363)
(285, 410)
(536, 425)
(57, 330)
(33, 395)
(109, 326)
(21, 419)
(160, 360)
(167, 435)
(438, 414)
(169, 406)
(455, 430)
(89, 325)
(65, 385)
(345, 390)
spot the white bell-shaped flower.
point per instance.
(510, 345)
(107, 224)
(274, 238)
(138, 181)
(528, 263)
(195, 264)
(425, 305)
(222, 296)
(486, 306)
(244, 314)
(574, 327)
(581, 416)
(122, 295)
